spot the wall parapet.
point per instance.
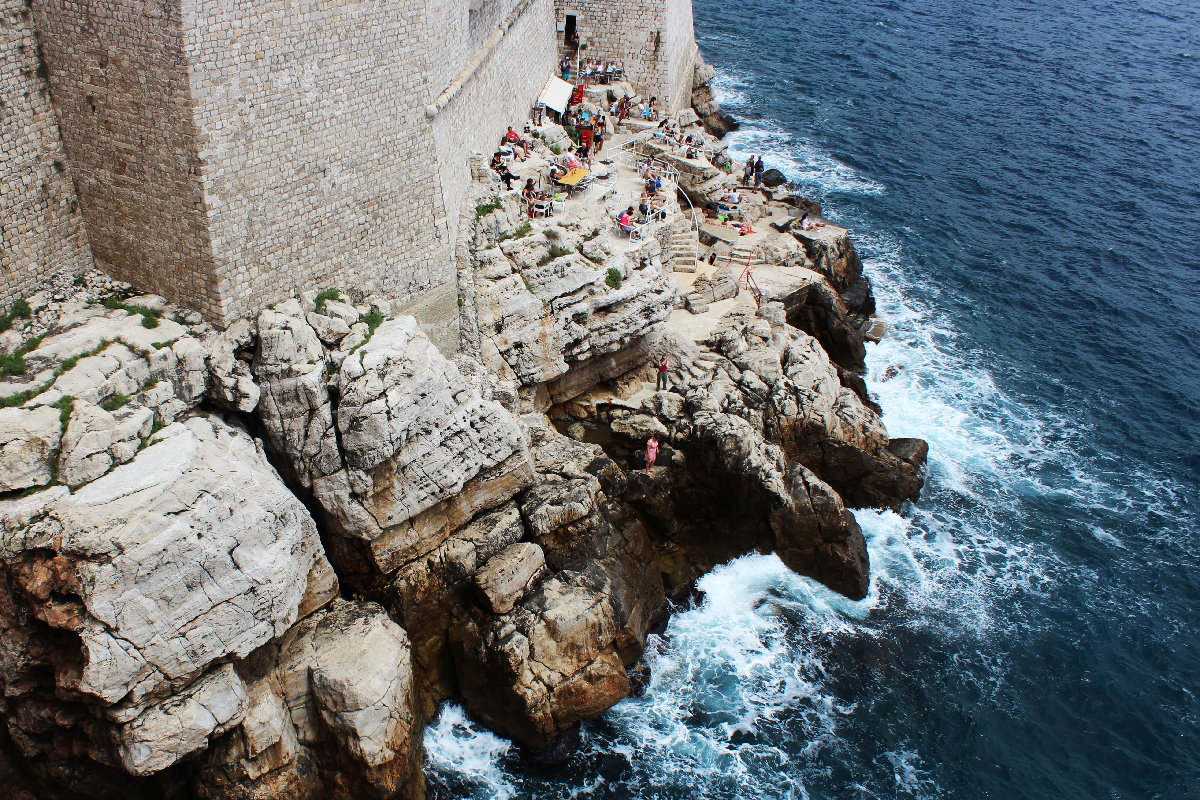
(481, 55)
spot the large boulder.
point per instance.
(152, 577)
(29, 445)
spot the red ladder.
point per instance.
(748, 281)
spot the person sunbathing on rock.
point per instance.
(806, 224)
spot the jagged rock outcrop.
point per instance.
(762, 444)
(704, 103)
(127, 599)
(330, 711)
(559, 655)
(546, 310)
(831, 253)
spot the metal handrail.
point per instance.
(695, 224)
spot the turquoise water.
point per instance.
(1023, 182)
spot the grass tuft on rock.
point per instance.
(373, 320)
(65, 406)
(115, 402)
(483, 209)
(324, 296)
(613, 278)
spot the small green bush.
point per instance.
(556, 150)
(150, 384)
(572, 132)
(115, 402)
(528, 285)
(12, 364)
(551, 233)
(483, 209)
(613, 277)
(113, 302)
(324, 296)
(558, 251)
(20, 310)
(374, 319)
(537, 134)
(149, 322)
(80, 281)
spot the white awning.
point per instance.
(557, 94)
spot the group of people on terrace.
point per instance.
(624, 108)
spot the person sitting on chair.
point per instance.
(530, 195)
(516, 141)
(625, 221)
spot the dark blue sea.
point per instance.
(1023, 182)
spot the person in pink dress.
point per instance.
(651, 452)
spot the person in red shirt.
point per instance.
(651, 452)
(661, 384)
(516, 141)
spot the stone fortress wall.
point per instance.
(229, 155)
(41, 227)
(655, 42)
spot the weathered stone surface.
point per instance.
(329, 330)
(85, 444)
(232, 384)
(545, 666)
(412, 431)
(29, 445)
(168, 731)
(542, 315)
(348, 669)
(192, 552)
(508, 576)
(294, 405)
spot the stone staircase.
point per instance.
(684, 245)
(742, 253)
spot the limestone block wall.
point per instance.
(119, 81)
(320, 168)
(41, 226)
(681, 52)
(501, 93)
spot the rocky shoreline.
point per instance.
(251, 563)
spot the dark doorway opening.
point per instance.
(569, 29)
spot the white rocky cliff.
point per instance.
(251, 563)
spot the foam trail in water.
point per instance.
(466, 756)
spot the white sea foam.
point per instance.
(469, 756)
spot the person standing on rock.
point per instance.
(651, 452)
(661, 384)
(759, 168)
(748, 172)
